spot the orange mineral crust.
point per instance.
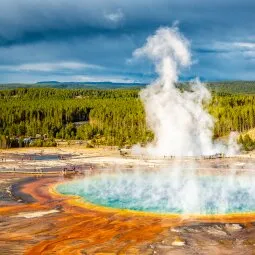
(57, 224)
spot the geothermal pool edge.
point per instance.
(77, 200)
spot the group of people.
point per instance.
(73, 169)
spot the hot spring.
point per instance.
(177, 192)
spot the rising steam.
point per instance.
(181, 125)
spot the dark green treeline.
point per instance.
(107, 117)
(112, 117)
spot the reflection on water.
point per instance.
(45, 157)
(168, 192)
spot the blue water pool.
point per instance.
(164, 192)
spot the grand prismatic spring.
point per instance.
(161, 192)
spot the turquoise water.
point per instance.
(163, 192)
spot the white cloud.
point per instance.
(27, 77)
(247, 49)
(114, 17)
(245, 45)
(233, 46)
(84, 78)
(49, 67)
(249, 54)
(233, 49)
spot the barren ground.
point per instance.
(34, 220)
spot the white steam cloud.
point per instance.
(181, 125)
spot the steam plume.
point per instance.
(181, 125)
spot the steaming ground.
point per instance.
(181, 125)
(161, 185)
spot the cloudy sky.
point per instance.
(85, 40)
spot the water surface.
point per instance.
(164, 192)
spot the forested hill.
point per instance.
(102, 117)
(228, 87)
(73, 85)
(235, 87)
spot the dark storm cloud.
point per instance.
(104, 33)
(30, 21)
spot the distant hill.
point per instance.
(233, 87)
(223, 87)
(48, 82)
(97, 85)
(73, 85)
(227, 87)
